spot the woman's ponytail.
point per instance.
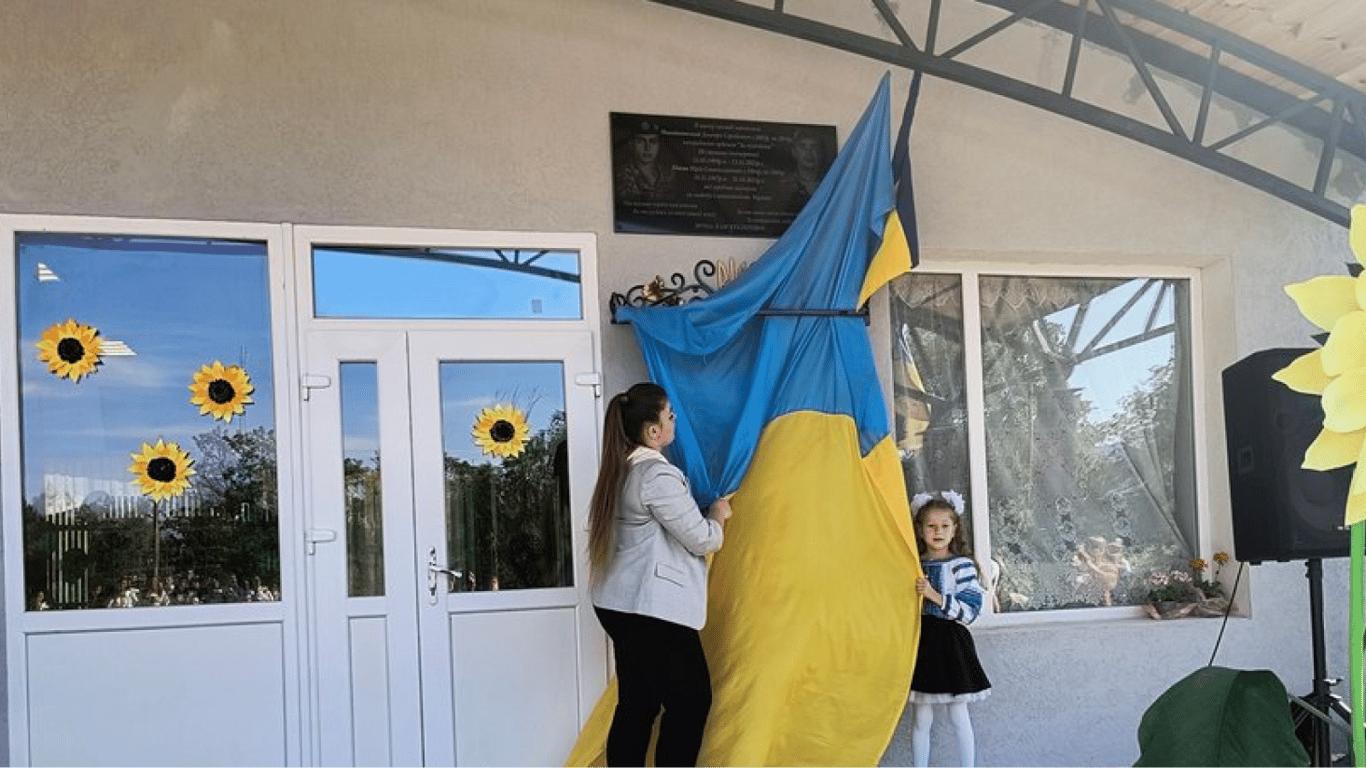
(627, 414)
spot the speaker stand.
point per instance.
(1313, 732)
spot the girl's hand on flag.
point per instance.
(922, 585)
(720, 510)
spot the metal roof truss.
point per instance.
(1327, 115)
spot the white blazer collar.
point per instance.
(642, 453)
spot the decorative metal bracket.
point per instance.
(677, 291)
(707, 279)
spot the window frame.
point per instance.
(969, 272)
(304, 237)
(273, 238)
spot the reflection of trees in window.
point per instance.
(1083, 503)
(364, 527)
(508, 521)
(929, 381)
(218, 543)
(91, 539)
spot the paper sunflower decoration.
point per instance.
(221, 391)
(162, 470)
(71, 350)
(1337, 374)
(501, 431)
(1337, 371)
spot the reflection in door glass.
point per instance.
(147, 421)
(454, 283)
(506, 475)
(360, 472)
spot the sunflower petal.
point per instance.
(1344, 402)
(1346, 347)
(1331, 450)
(1305, 374)
(1325, 299)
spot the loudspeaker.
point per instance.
(1280, 510)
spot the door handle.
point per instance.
(434, 568)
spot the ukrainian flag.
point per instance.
(813, 618)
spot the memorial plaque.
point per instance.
(706, 176)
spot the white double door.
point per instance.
(448, 608)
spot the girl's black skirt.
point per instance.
(946, 666)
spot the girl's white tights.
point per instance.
(962, 728)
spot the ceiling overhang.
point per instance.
(1158, 41)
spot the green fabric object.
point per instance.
(1355, 637)
(1221, 716)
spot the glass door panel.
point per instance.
(359, 540)
(497, 475)
(364, 491)
(147, 421)
(449, 612)
(506, 475)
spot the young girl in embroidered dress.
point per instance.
(946, 669)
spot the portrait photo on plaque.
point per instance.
(708, 176)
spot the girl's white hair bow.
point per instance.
(953, 498)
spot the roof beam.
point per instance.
(1337, 129)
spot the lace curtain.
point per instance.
(1088, 424)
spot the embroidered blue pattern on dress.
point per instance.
(955, 579)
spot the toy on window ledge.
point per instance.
(1102, 563)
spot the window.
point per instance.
(148, 428)
(1062, 407)
(506, 468)
(462, 283)
(359, 384)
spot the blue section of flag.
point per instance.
(730, 370)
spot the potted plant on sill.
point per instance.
(1176, 593)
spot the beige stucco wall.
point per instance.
(492, 115)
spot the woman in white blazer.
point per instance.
(648, 542)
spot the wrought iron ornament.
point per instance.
(708, 277)
(677, 291)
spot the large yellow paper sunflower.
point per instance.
(221, 391)
(501, 431)
(161, 470)
(71, 350)
(1337, 371)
